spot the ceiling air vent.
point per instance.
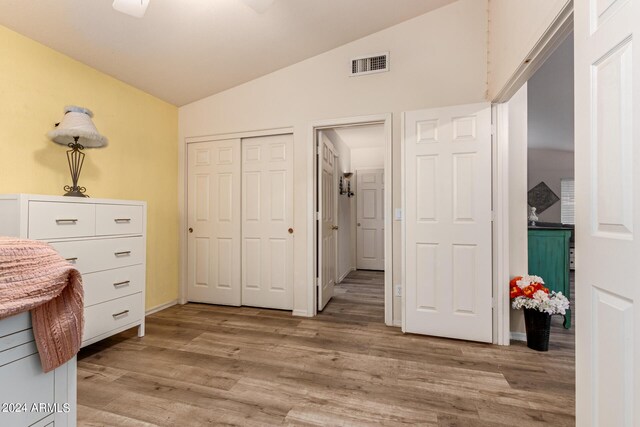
(369, 64)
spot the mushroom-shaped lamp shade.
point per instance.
(77, 123)
(76, 131)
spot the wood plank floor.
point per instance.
(213, 365)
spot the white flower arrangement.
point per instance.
(529, 280)
(529, 292)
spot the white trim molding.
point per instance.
(301, 313)
(160, 307)
(341, 278)
(239, 135)
(500, 129)
(518, 336)
(403, 223)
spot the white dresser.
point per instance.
(104, 239)
(28, 396)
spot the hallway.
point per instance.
(358, 298)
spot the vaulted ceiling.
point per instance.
(184, 50)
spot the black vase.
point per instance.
(538, 325)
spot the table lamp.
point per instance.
(77, 131)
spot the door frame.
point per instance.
(386, 121)
(500, 232)
(183, 194)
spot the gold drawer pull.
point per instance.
(122, 220)
(73, 259)
(123, 253)
(66, 221)
(120, 284)
(122, 313)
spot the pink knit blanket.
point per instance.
(33, 276)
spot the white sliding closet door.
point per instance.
(267, 221)
(213, 214)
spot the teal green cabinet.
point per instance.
(549, 259)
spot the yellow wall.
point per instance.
(139, 163)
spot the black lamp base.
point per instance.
(75, 193)
(75, 157)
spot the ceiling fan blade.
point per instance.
(136, 8)
(259, 5)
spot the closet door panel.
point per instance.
(214, 222)
(267, 215)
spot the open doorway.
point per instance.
(353, 205)
(541, 187)
(550, 180)
(359, 286)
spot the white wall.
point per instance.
(515, 27)
(550, 101)
(518, 251)
(367, 158)
(550, 166)
(437, 59)
(550, 128)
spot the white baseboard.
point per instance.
(397, 323)
(301, 313)
(161, 307)
(518, 336)
(346, 274)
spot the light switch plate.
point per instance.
(398, 214)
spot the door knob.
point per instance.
(334, 227)
(290, 230)
(190, 230)
(358, 224)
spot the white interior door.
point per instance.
(328, 208)
(370, 219)
(448, 262)
(267, 222)
(607, 181)
(213, 253)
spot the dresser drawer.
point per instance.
(16, 323)
(14, 340)
(27, 385)
(112, 284)
(102, 254)
(49, 220)
(15, 331)
(118, 219)
(102, 318)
